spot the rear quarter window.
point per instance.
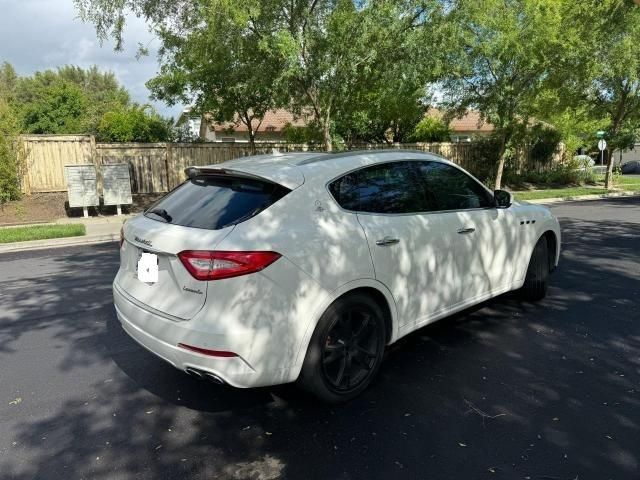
(214, 202)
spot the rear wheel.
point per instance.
(346, 349)
(537, 279)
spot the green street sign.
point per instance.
(600, 133)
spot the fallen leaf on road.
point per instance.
(16, 401)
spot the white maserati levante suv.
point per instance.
(304, 266)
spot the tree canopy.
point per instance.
(355, 68)
(500, 64)
(363, 68)
(73, 100)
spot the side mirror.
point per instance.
(502, 198)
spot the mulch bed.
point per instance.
(49, 207)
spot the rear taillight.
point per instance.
(212, 265)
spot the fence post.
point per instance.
(96, 163)
(168, 161)
(23, 164)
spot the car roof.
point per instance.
(292, 169)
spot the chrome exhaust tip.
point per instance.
(213, 378)
(202, 375)
(193, 372)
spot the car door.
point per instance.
(483, 235)
(410, 247)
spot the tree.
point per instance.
(136, 123)
(219, 66)
(67, 100)
(10, 153)
(327, 53)
(338, 55)
(608, 85)
(8, 81)
(389, 108)
(59, 108)
(500, 62)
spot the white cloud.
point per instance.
(40, 34)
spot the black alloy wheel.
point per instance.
(350, 350)
(346, 349)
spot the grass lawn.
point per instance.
(625, 183)
(558, 193)
(40, 232)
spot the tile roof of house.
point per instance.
(274, 121)
(470, 121)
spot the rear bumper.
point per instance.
(161, 337)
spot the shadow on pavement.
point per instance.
(505, 390)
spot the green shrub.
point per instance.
(431, 129)
(573, 172)
(10, 154)
(544, 141)
(308, 134)
(485, 159)
(137, 123)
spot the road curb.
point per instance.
(59, 242)
(580, 198)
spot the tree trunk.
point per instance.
(326, 136)
(252, 140)
(501, 159)
(608, 179)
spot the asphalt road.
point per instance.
(508, 390)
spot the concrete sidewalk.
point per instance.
(99, 230)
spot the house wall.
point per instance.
(627, 155)
(242, 137)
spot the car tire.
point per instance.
(536, 281)
(351, 335)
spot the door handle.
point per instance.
(464, 231)
(387, 241)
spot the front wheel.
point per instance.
(346, 349)
(536, 281)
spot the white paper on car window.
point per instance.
(148, 268)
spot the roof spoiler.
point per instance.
(195, 171)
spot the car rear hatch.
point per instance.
(197, 215)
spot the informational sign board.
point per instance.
(116, 184)
(602, 145)
(82, 185)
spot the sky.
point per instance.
(40, 34)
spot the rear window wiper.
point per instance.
(162, 213)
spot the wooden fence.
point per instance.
(159, 167)
(46, 156)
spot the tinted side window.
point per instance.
(452, 189)
(346, 191)
(385, 188)
(215, 202)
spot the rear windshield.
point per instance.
(215, 202)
